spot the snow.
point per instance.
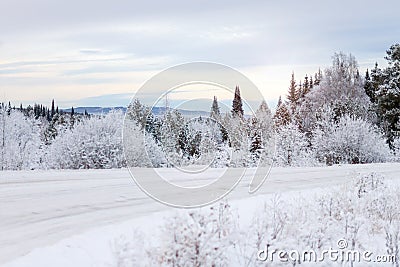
(70, 218)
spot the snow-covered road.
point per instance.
(39, 208)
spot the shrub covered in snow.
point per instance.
(364, 212)
(94, 142)
(351, 140)
(292, 147)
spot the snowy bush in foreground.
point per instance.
(129, 251)
(198, 238)
(364, 212)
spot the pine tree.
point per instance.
(292, 95)
(215, 112)
(53, 111)
(372, 82)
(282, 116)
(139, 113)
(9, 108)
(72, 119)
(368, 87)
(279, 102)
(388, 95)
(306, 86)
(255, 137)
(261, 130)
(318, 77)
(237, 105)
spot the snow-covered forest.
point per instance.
(335, 116)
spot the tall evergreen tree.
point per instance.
(279, 102)
(237, 105)
(318, 77)
(306, 86)
(282, 116)
(368, 87)
(53, 111)
(388, 95)
(215, 112)
(292, 95)
(72, 119)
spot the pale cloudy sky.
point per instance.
(98, 53)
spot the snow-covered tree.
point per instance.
(388, 95)
(237, 104)
(292, 147)
(170, 129)
(237, 129)
(351, 140)
(262, 133)
(282, 115)
(94, 142)
(215, 112)
(293, 94)
(141, 150)
(341, 88)
(20, 140)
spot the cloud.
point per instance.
(86, 45)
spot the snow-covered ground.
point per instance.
(69, 218)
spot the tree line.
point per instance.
(334, 116)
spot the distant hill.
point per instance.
(157, 111)
(95, 110)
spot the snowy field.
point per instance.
(72, 218)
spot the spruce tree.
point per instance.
(318, 77)
(306, 86)
(388, 95)
(279, 102)
(237, 105)
(282, 116)
(292, 95)
(43, 111)
(215, 112)
(255, 137)
(53, 111)
(72, 119)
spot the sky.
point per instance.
(99, 53)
